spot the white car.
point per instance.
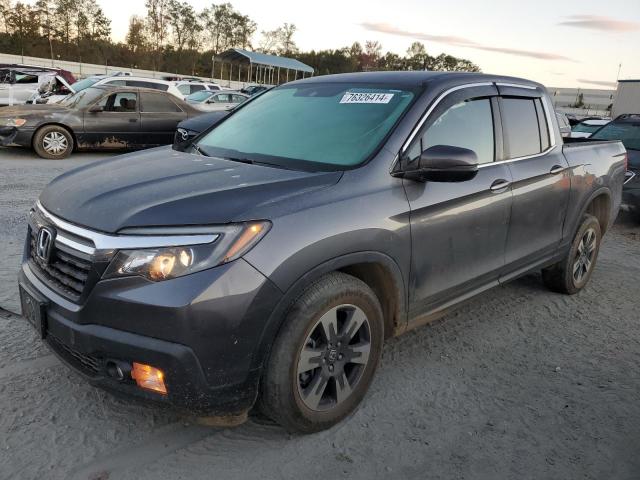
(142, 82)
(585, 128)
(224, 100)
(188, 87)
(18, 85)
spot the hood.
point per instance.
(32, 109)
(163, 187)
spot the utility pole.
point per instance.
(619, 68)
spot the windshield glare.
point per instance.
(200, 96)
(628, 133)
(86, 83)
(310, 126)
(82, 99)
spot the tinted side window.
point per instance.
(156, 103)
(467, 124)
(196, 88)
(155, 86)
(520, 126)
(119, 102)
(119, 83)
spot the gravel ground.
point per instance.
(519, 383)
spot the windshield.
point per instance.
(586, 128)
(628, 133)
(86, 83)
(200, 96)
(310, 126)
(82, 99)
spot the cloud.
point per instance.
(460, 42)
(596, 22)
(600, 83)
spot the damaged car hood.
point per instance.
(163, 187)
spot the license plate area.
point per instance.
(34, 310)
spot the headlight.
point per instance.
(164, 263)
(14, 122)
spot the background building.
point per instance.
(627, 98)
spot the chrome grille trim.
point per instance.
(107, 244)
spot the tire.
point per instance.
(572, 273)
(53, 142)
(333, 304)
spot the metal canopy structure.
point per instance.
(261, 67)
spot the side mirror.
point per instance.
(444, 163)
(96, 109)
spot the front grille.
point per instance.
(65, 273)
(85, 363)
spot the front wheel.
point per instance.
(573, 272)
(53, 142)
(325, 356)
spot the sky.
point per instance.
(568, 43)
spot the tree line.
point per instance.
(174, 37)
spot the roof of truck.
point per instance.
(419, 78)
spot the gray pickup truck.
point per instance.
(268, 261)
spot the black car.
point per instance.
(272, 259)
(96, 118)
(192, 127)
(627, 129)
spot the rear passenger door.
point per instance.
(159, 116)
(459, 230)
(541, 177)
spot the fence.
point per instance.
(88, 69)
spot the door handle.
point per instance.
(133, 120)
(557, 169)
(500, 184)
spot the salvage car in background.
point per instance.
(97, 118)
(586, 128)
(626, 128)
(221, 101)
(19, 83)
(142, 82)
(189, 87)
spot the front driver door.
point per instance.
(459, 230)
(116, 126)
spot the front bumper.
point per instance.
(203, 330)
(16, 136)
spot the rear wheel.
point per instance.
(573, 272)
(325, 356)
(53, 142)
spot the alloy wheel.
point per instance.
(333, 357)
(584, 256)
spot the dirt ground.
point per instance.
(520, 383)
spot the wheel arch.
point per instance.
(55, 124)
(379, 271)
(599, 204)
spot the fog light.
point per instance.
(149, 377)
